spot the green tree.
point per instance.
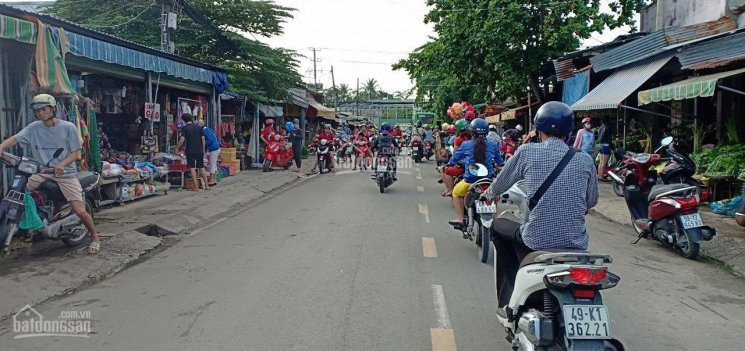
(494, 49)
(370, 89)
(254, 68)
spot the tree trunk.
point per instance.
(536, 88)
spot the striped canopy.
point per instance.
(703, 86)
(17, 29)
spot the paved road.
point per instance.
(334, 265)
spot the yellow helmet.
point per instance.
(43, 100)
(445, 125)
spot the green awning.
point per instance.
(17, 29)
(703, 86)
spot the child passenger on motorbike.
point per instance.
(477, 150)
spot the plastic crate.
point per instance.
(230, 167)
(177, 167)
(236, 165)
(228, 154)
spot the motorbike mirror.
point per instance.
(667, 141)
(478, 170)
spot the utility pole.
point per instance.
(336, 93)
(357, 104)
(165, 28)
(315, 74)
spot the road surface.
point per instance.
(334, 265)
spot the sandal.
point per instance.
(94, 247)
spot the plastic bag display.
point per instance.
(727, 207)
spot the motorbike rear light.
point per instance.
(587, 276)
(415, 143)
(688, 205)
(584, 294)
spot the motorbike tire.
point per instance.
(618, 188)
(267, 166)
(381, 185)
(484, 236)
(687, 248)
(78, 239)
(7, 228)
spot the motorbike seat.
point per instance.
(531, 257)
(52, 190)
(87, 179)
(663, 188)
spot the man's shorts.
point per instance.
(454, 171)
(195, 160)
(605, 149)
(461, 189)
(70, 187)
(214, 155)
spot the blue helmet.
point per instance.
(386, 127)
(554, 118)
(289, 126)
(479, 126)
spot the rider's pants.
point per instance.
(509, 252)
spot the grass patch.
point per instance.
(717, 263)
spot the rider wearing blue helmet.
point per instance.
(386, 145)
(477, 150)
(557, 217)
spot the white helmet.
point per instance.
(519, 127)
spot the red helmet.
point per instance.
(269, 121)
(470, 116)
(451, 129)
(586, 120)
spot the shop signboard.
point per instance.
(152, 111)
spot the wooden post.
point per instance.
(719, 116)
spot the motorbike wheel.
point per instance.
(381, 185)
(618, 188)
(687, 248)
(267, 165)
(484, 236)
(82, 234)
(9, 229)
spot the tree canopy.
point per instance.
(254, 68)
(492, 50)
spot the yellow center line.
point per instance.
(428, 247)
(424, 210)
(420, 189)
(442, 339)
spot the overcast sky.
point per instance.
(362, 38)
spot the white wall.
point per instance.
(681, 13)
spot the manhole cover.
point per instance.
(154, 230)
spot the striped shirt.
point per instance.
(558, 220)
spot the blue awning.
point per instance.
(95, 49)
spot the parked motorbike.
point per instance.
(278, 154)
(60, 222)
(667, 213)
(323, 155)
(346, 150)
(479, 214)
(416, 151)
(620, 169)
(556, 302)
(384, 172)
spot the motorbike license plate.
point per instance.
(586, 322)
(382, 168)
(691, 221)
(483, 207)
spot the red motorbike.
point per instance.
(667, 213)
(416, 152)
(361, 154)
(278, 154)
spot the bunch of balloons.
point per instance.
(459, 109)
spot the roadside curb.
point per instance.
(122, 251)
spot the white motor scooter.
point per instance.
(556, 302)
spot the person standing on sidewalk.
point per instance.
(193, 142)
(605, 142)
(296, 138)
(212, 147)
(585, 140)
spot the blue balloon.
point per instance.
(289, 126)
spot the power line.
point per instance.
(129, 21)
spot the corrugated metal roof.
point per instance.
(613, 90)
(657, 42)
(714, 53)
(564, 69)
